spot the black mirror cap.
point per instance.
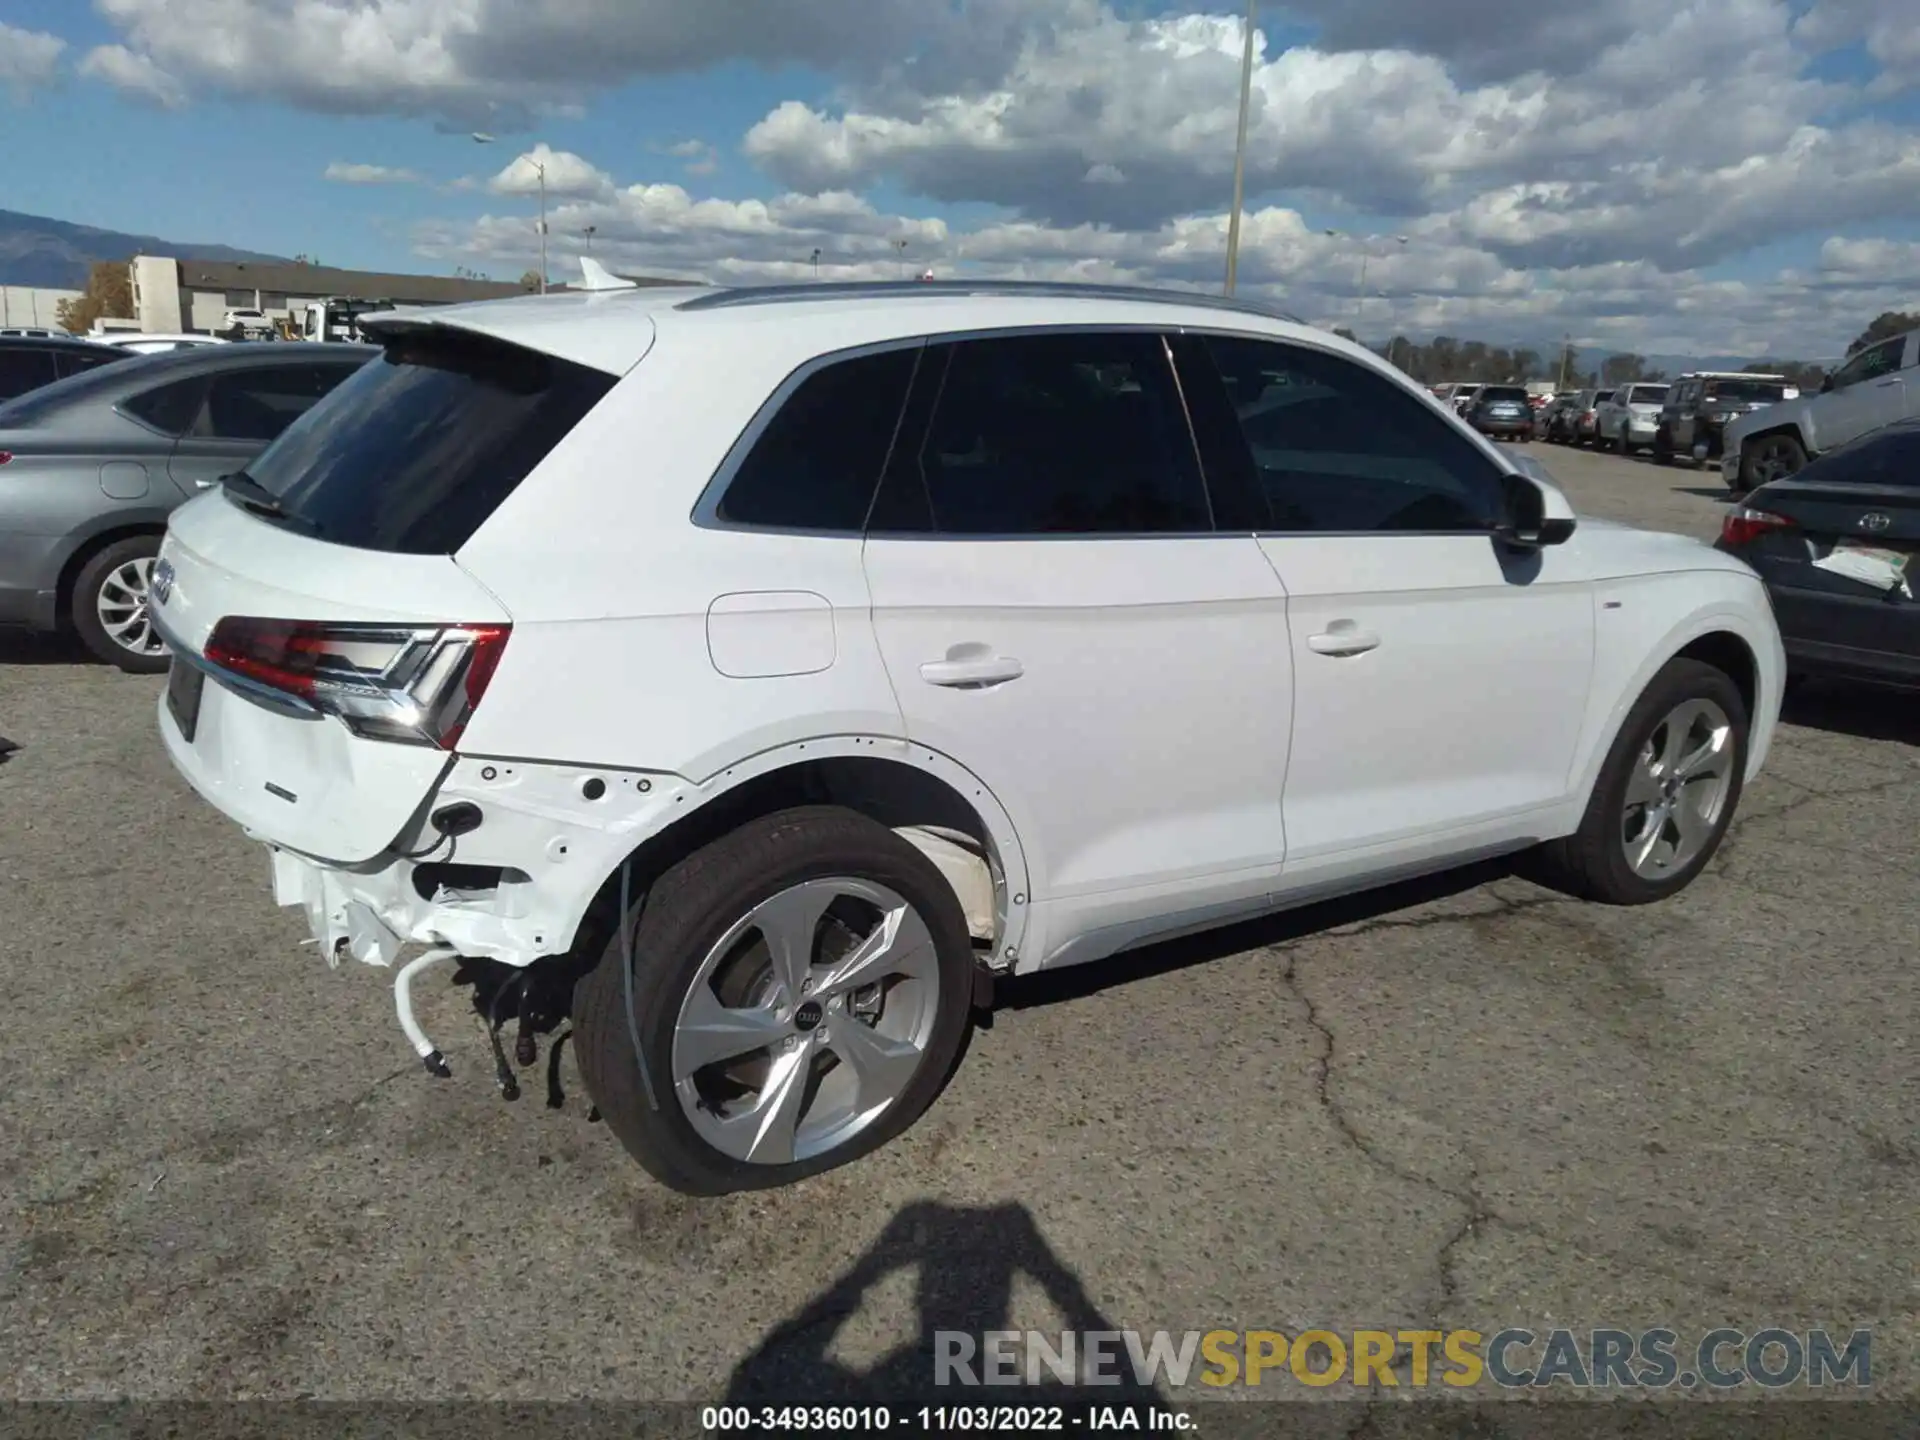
(1526, 526)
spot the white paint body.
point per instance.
(1630, 418)
(1177, 732)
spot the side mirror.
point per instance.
(1538, 514)
(1826, 383)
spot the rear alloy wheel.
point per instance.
(110, 602)
(1665, 796)
(803, 987)
(1772, 457)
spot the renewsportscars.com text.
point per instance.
(1770, 1358)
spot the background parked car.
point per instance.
(1838, 545)
(1627, 421)
(29, 361)
(1502, 412)
(1558, 416)
(1700, 407)
(91, 466)
(144, 344)
(1464, 396)
(1876, 387)
(1586, 425)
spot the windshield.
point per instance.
(415, 451)
(1746, 391)
(1503, 392)
(1648, 395)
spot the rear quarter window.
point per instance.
(416, 451)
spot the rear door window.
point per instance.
(258, 403)
(421, 445)
(1068, 434)
(24, 370)
(169, 408)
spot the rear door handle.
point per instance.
(972, 672)
(1343, 642)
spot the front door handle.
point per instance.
(1343, 642)
(972, 672)
(206, 484)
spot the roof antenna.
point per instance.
(598, 277)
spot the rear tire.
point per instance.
(109, 606)
(1662, 452)
(1596, 861)
(704, 945)
(1770, 457)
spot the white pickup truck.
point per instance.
(1876, 387)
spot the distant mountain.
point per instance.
(54, 254)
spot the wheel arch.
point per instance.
(906, 787)
(90, 546)
(1721, 636)
(1797, 428)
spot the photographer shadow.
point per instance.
(966, 1261)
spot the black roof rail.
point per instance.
(744, 295)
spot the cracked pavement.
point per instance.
(1467, 1103)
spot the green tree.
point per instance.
(1617, 370)
(1884, 327)
(108, 295)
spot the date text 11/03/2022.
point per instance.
(1768, 1358)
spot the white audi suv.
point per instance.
(746, 678)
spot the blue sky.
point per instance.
(1622, 183)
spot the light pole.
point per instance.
(816, 262)
(588, 232)
(901, 246)
(1240, 153)
(541, 170)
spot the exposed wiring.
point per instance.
(626, 976)
(452, 842)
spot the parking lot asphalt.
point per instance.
(1471, 1103)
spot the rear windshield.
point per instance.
(1890, 456)
(1648, 395)
(1503, 392)
(1745, 390)
(421, 446)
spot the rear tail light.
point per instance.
(415, 684)
(1744, 525)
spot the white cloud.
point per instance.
(136, 73)
(1435, 283)
(562, 173)
(1557, 168)
(349, 174)
(28, 59)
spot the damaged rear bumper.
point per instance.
(514, 888)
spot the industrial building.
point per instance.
(173, 295)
